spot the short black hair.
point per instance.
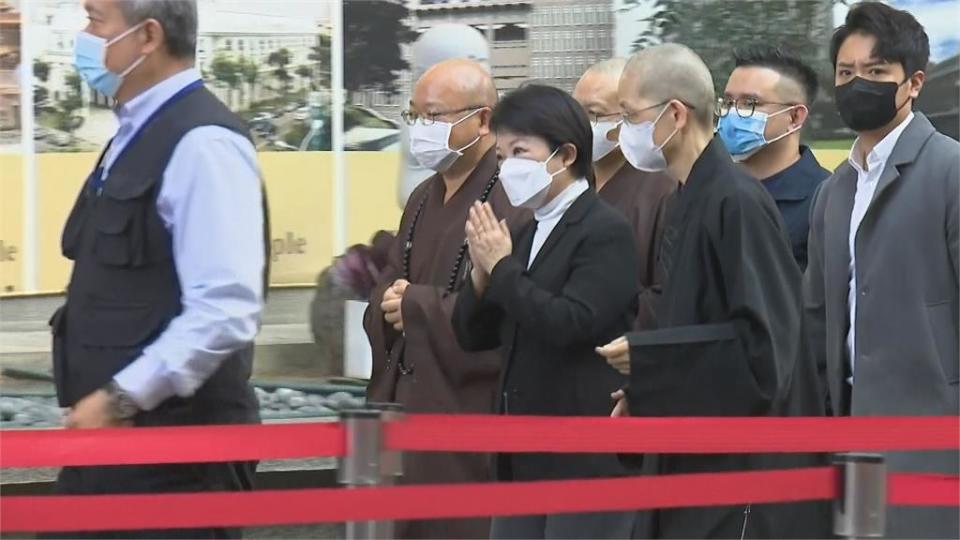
(551, 114)
(900, 38)
(783, 62)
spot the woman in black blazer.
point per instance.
(548, 296)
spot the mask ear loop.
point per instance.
(675, 129)
(548, 161)
(122, 35)
(473, 142)
(788, 132)
(905, 81)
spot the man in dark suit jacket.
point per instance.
(881, 288)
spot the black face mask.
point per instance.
(867, 105)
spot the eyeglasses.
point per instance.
(410, 116)
(596, 119)
(628, 117)
(745, 106)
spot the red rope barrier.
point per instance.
(481, 434)
(189, 444)
(714, 435)
(261, 508)
(923, 490)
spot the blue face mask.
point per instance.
(744, 137)
(90, 60)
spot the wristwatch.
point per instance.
(121, 404)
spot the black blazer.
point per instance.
(580, 292)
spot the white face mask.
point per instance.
(638, 146)
(430, 145)
(527, 181)
(601, 145)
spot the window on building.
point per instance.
(510, 32)
(228, 45)
(240, 45)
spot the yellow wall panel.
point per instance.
(11, 223)
(299, 186)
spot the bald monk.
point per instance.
(416, 359)
(638, 195)
(729, 336)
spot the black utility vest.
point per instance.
(124, 289)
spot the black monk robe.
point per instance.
(424, 368)
(728, 343)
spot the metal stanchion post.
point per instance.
(860, 510)
(360, 466)
(391, 461)
(391, 464)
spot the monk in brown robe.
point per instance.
(416, 359)
(638, 195)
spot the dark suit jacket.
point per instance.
(907, 303)
(580, 292)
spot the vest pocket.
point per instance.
(117, 237)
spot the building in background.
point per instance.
(568, 37)
(550, 41)
(254, 37)
(10, 70)
(939, 99)
(222, 31)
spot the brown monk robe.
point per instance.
(640, 196)
(423, 368)
(636, 194)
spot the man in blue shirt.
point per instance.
(168, 238)
(763, 108)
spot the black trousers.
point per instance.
(174, 478)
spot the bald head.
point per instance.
(609, 68)
(455, 84)
(670, 71)
(596, 91)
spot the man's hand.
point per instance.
(617, 354)
(392, 302)
(93, 411)
(488, 239)
(621, 408)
